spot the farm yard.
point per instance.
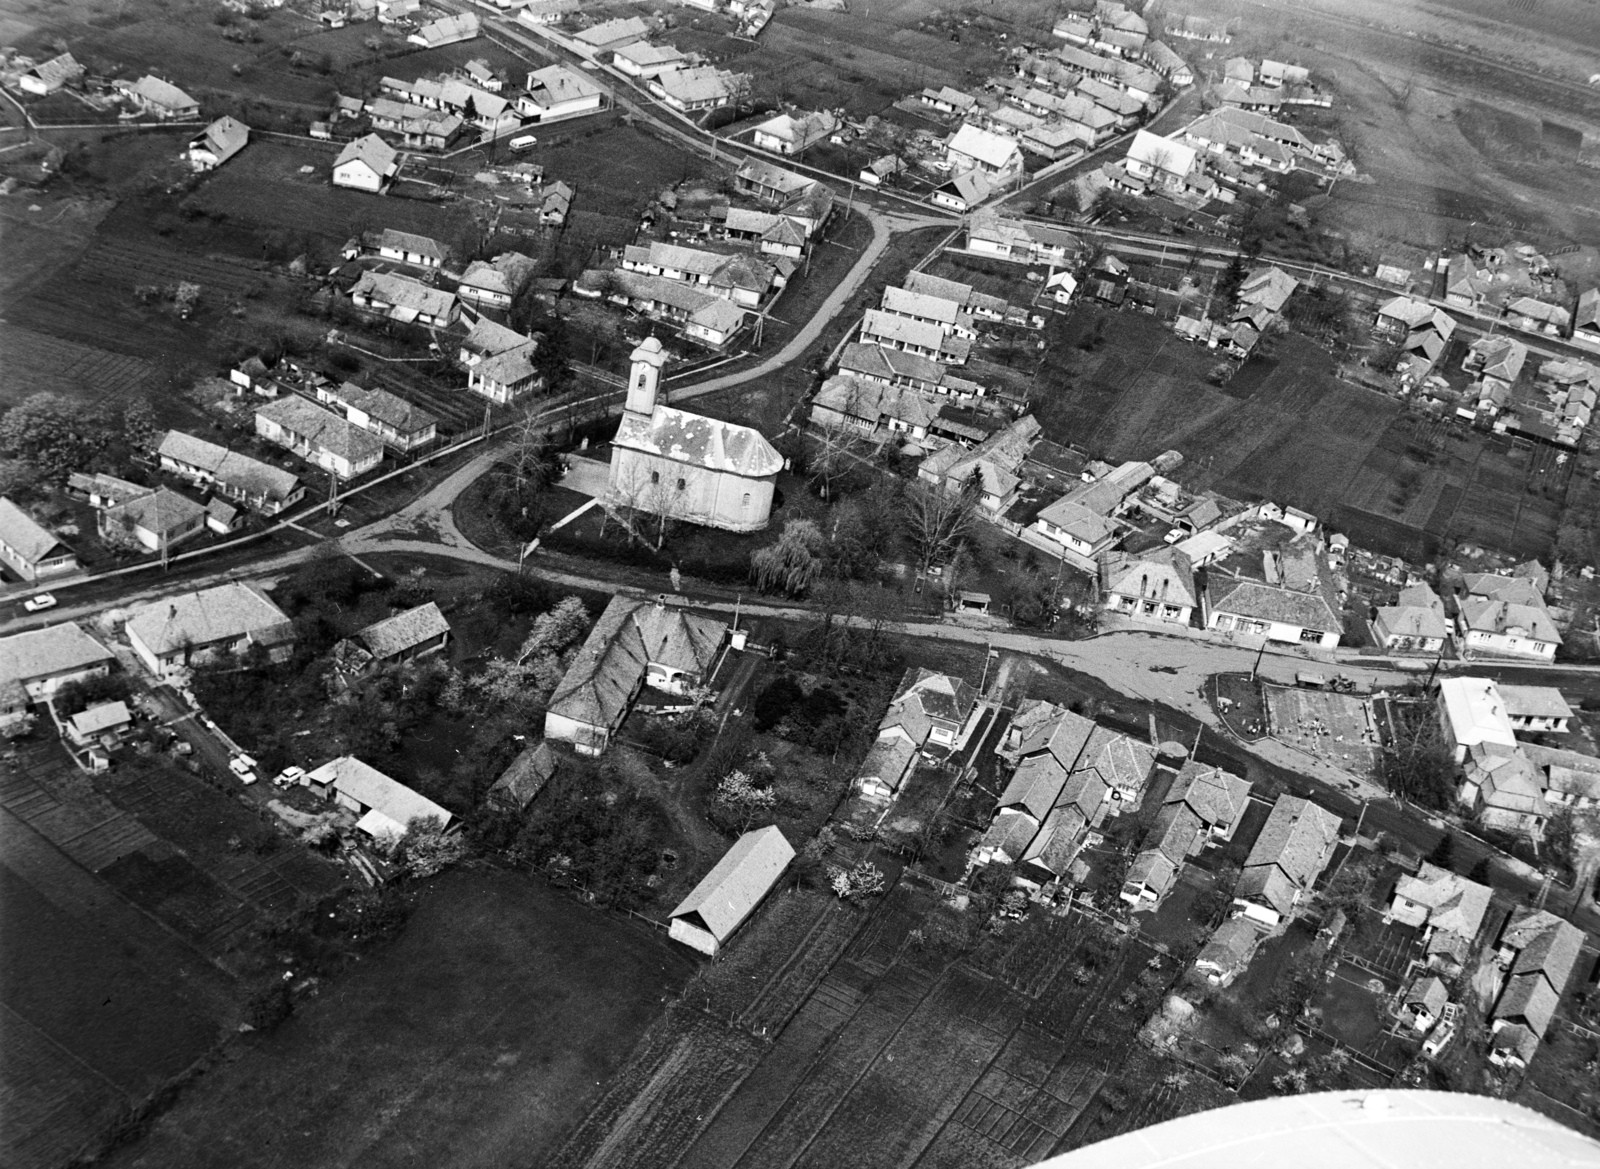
(112, 995)
(478, 1036)
(1285, 428)
(873, 1043)
(37, 362)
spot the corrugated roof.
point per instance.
(730, 892)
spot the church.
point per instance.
(691, 468)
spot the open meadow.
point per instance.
(1286, 428)
(478, 1037)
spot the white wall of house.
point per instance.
(358, 175)
(693, 936)
(1507, 644)
(1272, 630)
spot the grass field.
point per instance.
(885, 1049)
(1285, 428)
(478, 1037)
(263, 186)
(99, 1005)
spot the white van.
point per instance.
(524, 142)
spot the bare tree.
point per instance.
(840, 449)
(938, 519)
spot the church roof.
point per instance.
(699, 441)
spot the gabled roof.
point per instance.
(241, 472)
(888, 761)
(410, 242)
(1161, 574)
(1452, 902)
(1064, 735)
(394, 635)
(1116, 760)
(390, 409)
(1259, 601)
(44, 653)
(1215, 796)
(735, 886)
(1162, 154)
(555, 84)
(985, 146)
(459, 26)
(866, 359)
(1534, 701)
(1516, 589)
(628, 637)
(505, 274)
(902, 302)
(760, 173)
(1290, 853)
(521, 782)
(490, 338)
(225, 613)
(161, 93)
(377, 154)
(25, 536)
(611, 32)
(942, 697)
(1545, 945)
(1420, 613)
(1530, 998)
(1489, 616)
(404, 293)
(701, 83)
(1010, 833)
(158, 511)
(224, 138)
(1035, 785)
(366, 785)
(1058, 840)
(1230, 946)
(101, 718)
(57, 71)
(322, 428)
(1267, 287)
(700, 441)
(1154, 869)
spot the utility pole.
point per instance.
(1255, 670)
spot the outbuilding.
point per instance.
(730, 892)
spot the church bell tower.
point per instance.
(644, 379)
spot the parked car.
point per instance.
(1174, 535)
(240, 765)
(289, 776)
(39, 602)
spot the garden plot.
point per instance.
(1331, 726)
